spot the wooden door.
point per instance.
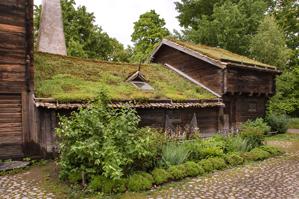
(11, 137)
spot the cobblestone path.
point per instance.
(275, 178)
(22, 186)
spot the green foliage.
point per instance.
(140, 182)
(83, 37)
(218, 163)
(107, 186)
(223, 23)
(272, 150)
(256, 154)
(278, 123)
(148, 31)
(285, 101)
(293, 123)
(160, 176)
(174, 153)
(193, 169)
(233, 159)
(178, 172)
(103, 141)
(202, 149)
(74, 177)
(207, 165)
(269, 45)
(237, 144)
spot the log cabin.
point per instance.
(189, 87)
(245, 85)
(16, 75)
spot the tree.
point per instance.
(286, 98)
(83, 37)
(269, 45)
(224, 23)
(286, 13)
(148, 31)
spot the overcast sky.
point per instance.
(116, 17)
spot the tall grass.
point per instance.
(174, 153)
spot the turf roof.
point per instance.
(70, 79)
(218, 53)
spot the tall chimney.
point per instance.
(51, 34)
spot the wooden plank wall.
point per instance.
(16, 73)
(250, 81)
(203, 72)
(47, 120)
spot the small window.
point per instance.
(142, 85)
(252, 107)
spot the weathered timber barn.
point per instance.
(243, 84)
(16, 75)
(162, 98)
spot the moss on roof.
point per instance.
(70, 79)
(218, 53)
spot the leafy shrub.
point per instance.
(256, 154)
(278, 123)
(178, 172)
(258, 123)
(207, 165)
(204, 149)
(160, 176)
(193, 169)
(253, 132)
(102, 141)
(293, 123)
(272, 150)
(140, 182)
(233, 159)
(108, 186)
(174, 153)
(237, 144)
(74, 177)
(218, 163)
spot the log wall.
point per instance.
(16, 75)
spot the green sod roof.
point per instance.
(218, 53)
(70, 79)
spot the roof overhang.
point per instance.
(150, 104)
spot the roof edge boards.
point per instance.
(192, 80)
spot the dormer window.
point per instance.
(138, 80)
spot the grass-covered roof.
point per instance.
(218, 53)
(70, 79)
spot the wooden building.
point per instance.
(16, 75)
(243, 84)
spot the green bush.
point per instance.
(278, 123)
(103, 141)
(193, 169)
(140, 182)
(293, 123)
(178, 172)
(160, 176)
(233, 159)
(237, 144)
(207, 165)
(74, 177)
(174, 154)
(202, 149)
(256, 154)
(107, 186)
(218, 163)
(272, 150)
(253, 132)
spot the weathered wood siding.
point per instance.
(203, 72)
(44, 140)
(16, 75)
(250, 81)
(240, 108)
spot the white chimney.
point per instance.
(51, 34)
